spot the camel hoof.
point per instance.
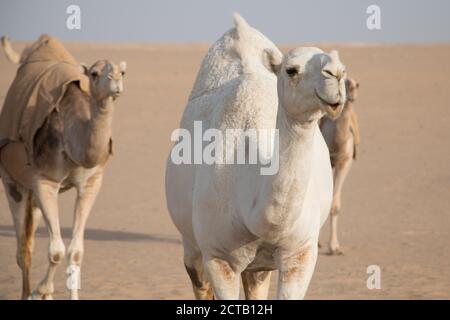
(74, 295)
(335, 252)
(40, 296)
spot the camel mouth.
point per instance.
(332, 109)
(333, 106)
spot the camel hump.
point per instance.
(239, 22)
(48, 48)
(254, 48)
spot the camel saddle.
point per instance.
(40, 84)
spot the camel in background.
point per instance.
(342, 137)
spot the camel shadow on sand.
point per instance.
(97, 235)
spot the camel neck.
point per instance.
(99, 130)
(89, 138)
(104, 105)
(292, 129)
(296, 141)
(286, 189)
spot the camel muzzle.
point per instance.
(334, 111)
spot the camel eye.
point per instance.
(292, 71)
(94, 74)
(328, 72)
(122, 73)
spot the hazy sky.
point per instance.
(283, 21)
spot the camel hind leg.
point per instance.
(26, 218)
(194, 268)
(340, 173)
(256, 284)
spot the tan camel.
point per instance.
(70, 150)
(342, 138)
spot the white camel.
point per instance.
(233, 220)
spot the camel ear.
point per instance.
(272, 60)
(84, 69)
(334, 54)
(123, 67)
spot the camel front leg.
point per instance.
(46, 194)
(340, 173)
(194, 267)
(295, 272)
(224, 279)
(256, 284)
(86, 195)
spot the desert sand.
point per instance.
(396, 201)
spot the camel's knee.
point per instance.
(293, 268)
(56, 252)
(75, 256)
(56, 257)
(19, 259)
(335, 210)
(23, 257)
(343, 162)
(335, 206)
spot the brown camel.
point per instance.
(342, 138)
(70, 149)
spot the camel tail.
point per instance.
(10, 53)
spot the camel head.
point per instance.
(311, 83)
(352, 87)
(106, 79)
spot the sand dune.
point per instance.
(396, 200)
